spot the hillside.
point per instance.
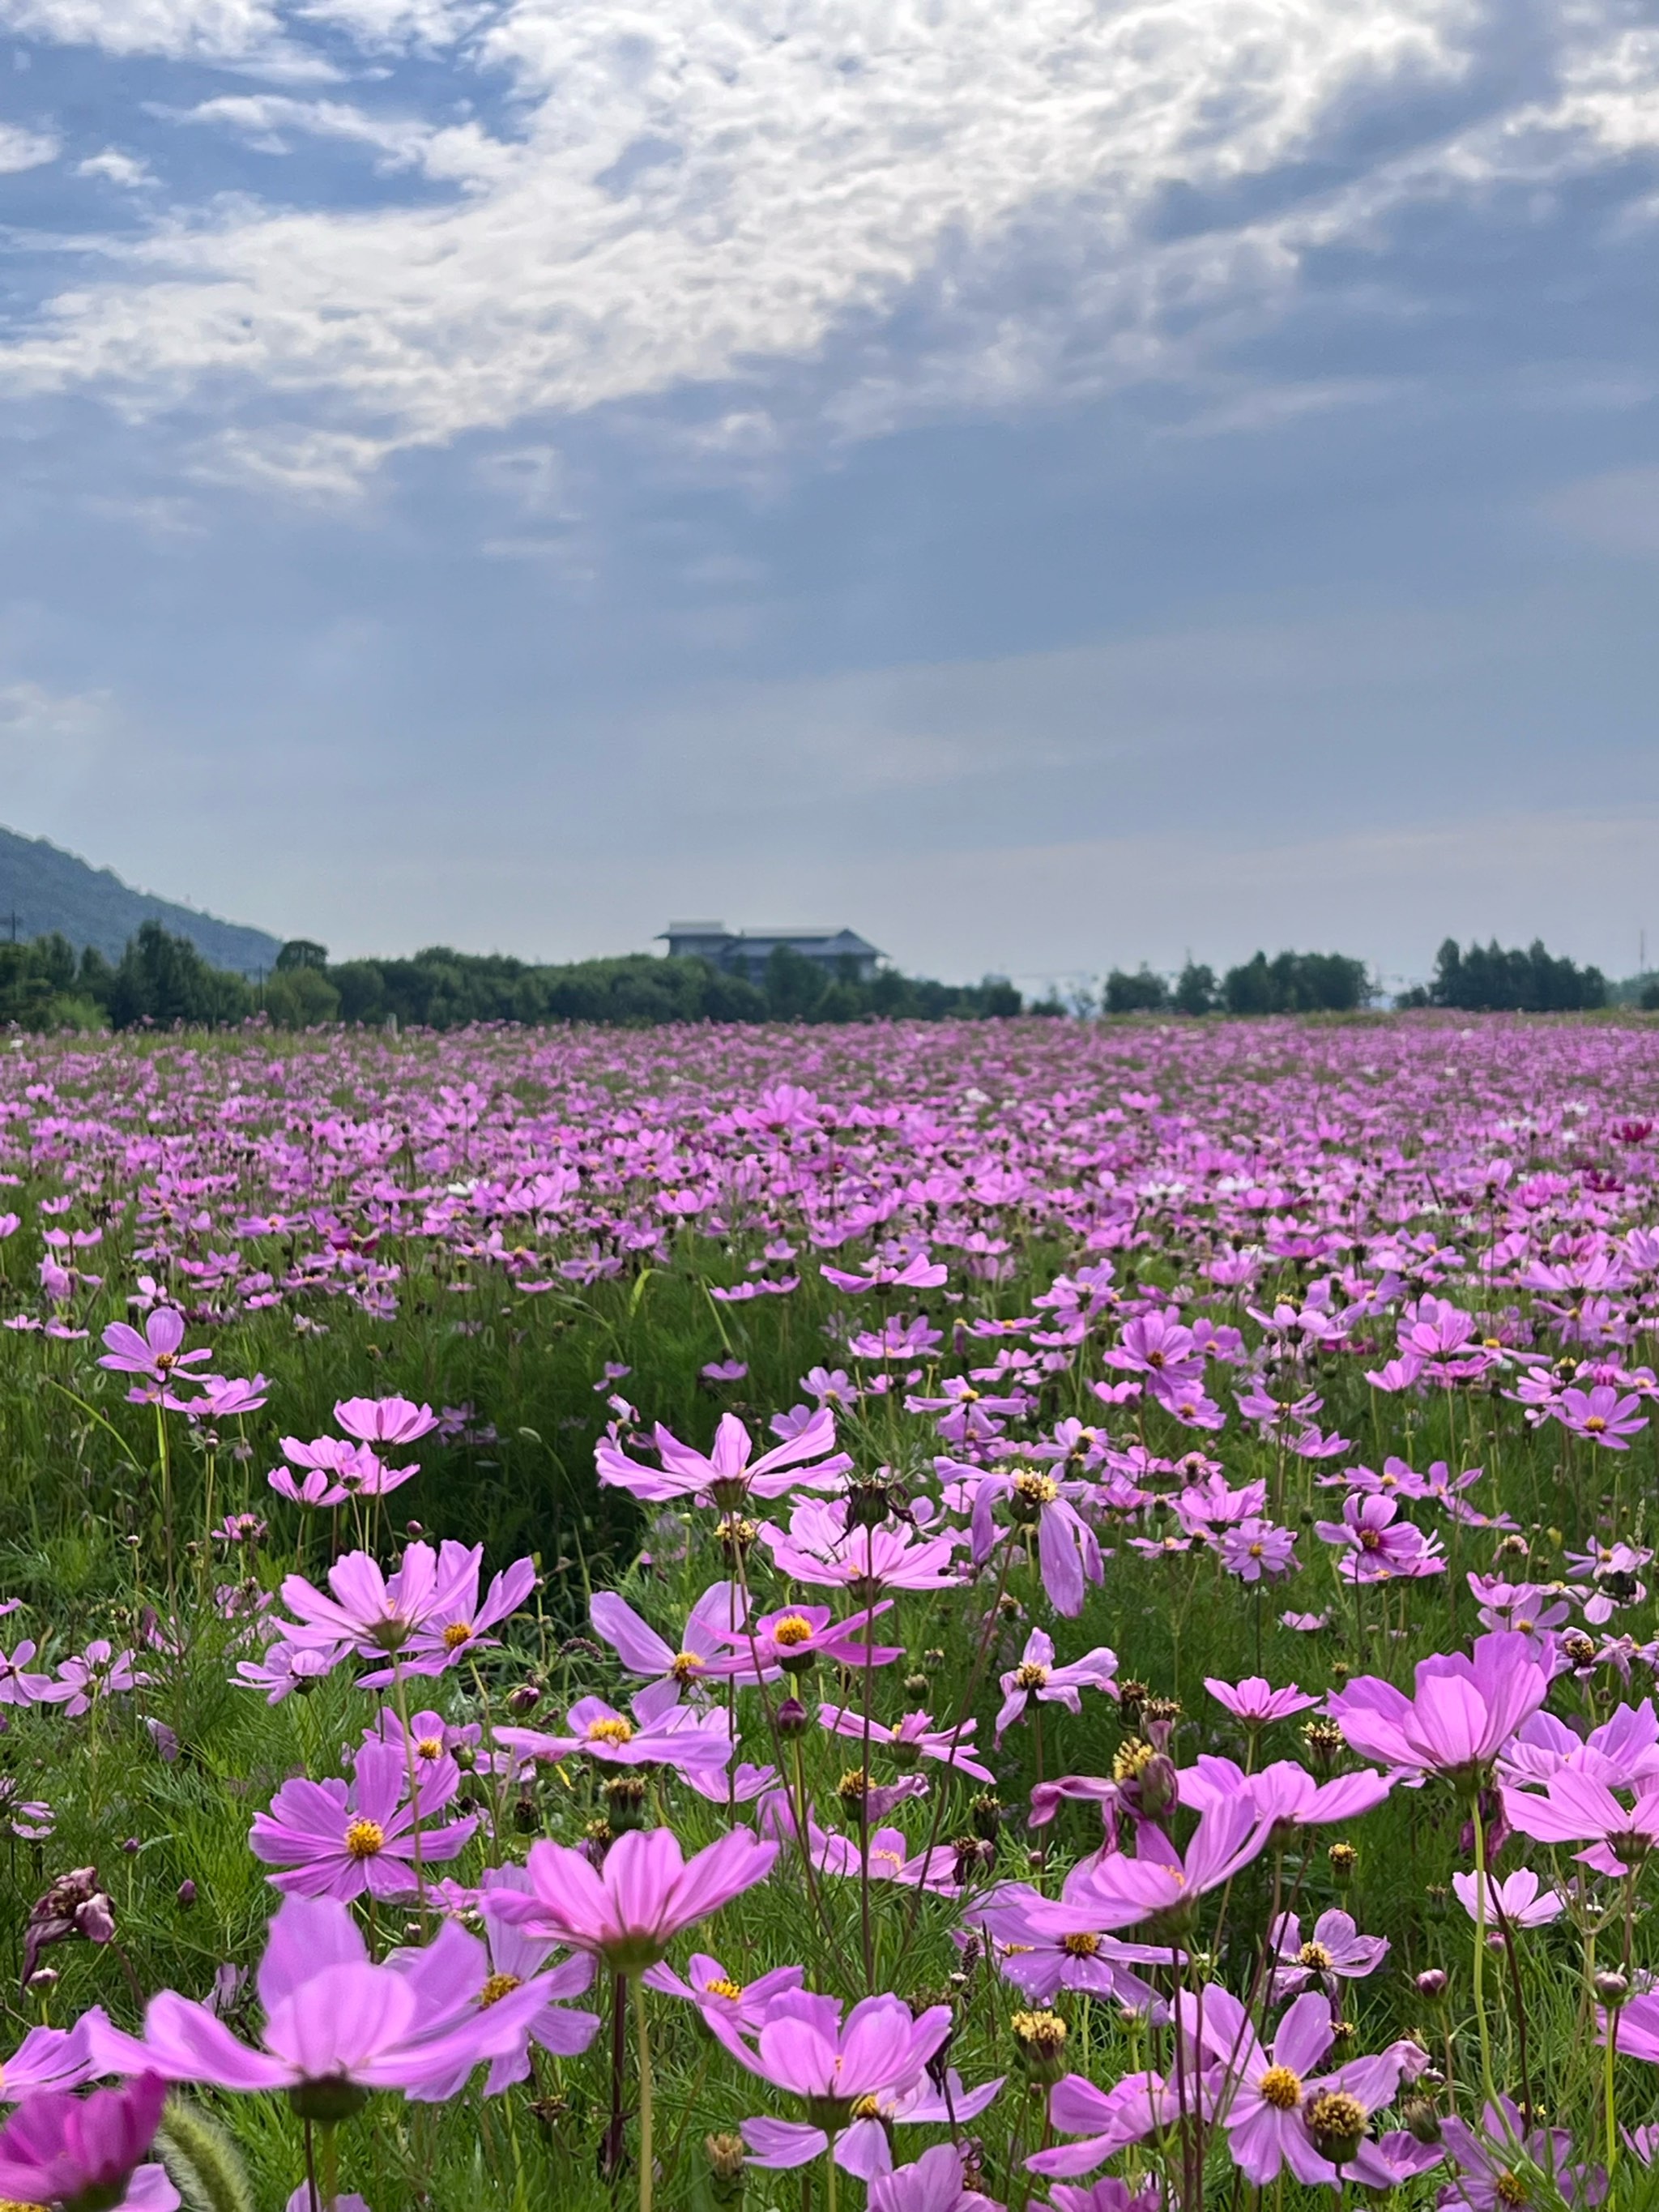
(47, 889)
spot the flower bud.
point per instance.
(1343, 1858)
(724, 2155)
(1130, 1697)
(1431, 1985)
(985, 1812)
(1611, 1988)
(867, 1505)
(523, 1697)
(44, 1980)
(917, 1691)
(1421, 2119)
(526, 1814)
(625, 1797)
(1337, 2123)
(976, 1855)
(186, 1896)
(1325, 1744)
(1040, 2042)
(791, 1720)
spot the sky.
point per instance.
(1048, 486)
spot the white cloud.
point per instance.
(707, 185)
(116, 167)
(320, 465)
(461, 154)
(21, 149)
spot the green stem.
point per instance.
(643, 2039)
(1486, 2090)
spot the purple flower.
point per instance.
(1498, 2167)
(1518, 1901)
(1265, 2105)
(795, 1636)
(1253, 1702)
(717, 1997)
(805, 2048)
(456, 1623)
(516, 1958)
(1038, 1676)
(1108, 2120)
(1377, 1545)
(1463, 1713)
(370, 1611)
(933, 2184)
(725, 1477)
(914, 1738)
(1599, 1414)
(723, 1605)
(1257, 1550)
(630, 1910)
(1068, 1551)
(1574, 1807)
(1334, 1951)
(335, 2027)
(662, 1732)
(156, 1354)
(338, 1842)
(80, 2151)
(385, 1421)
(100, 1671)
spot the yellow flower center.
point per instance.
(363, 1839)
(1043, 2032)
(1316, 1956)
(686, 1664)
(1509, 2189)
(1281, 2088)
(1036, 1489)
(1133, 1758)
(1594, 1424)
(1030, 1676)
(614, 1730)
(1084, 1946)
(429, 1748)
(792, 1630)
(1258, 1551)
(497, 1987)
(457, 1633)
(723, 1988)
(866, 2108)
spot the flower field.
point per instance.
(1013, 1614)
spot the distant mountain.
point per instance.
(47, 889)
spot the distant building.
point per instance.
(745, 952)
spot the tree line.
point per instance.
(163, 981)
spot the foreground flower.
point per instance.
(1464, 1711)
(335, 2027)
(630, 1911)
(82, 2153)
(333, 1840)
(933, 2183)
(805, 2048)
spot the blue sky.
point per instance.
(1048, 487)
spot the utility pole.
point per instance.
(13, 918)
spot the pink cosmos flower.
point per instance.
(1520, 1900)
(886, 1856)
(286, 1667)
(647, 1891)
(913, 1738)
(1253, 1702)
(1574, 1807)
(75, 2151)
(335, 2027)
(1463, 1713)
(384, 1420)
(1068, 1551)
(743, 2004)
(370, 1611)
(1335, 1951)
(1108, 2120)
(335, 1471)
(98, 1672)
(1159, 1882)
(1257, 1551)
(1497, 2167)
(1265, 2106)
(723, 1605)
(662, 1732)
(156, 1354)
(821, 1550)
(866, 2149)
(933, 2184)
(335, 1841)
(1285, 1794)
(19, 1687)
(517, 1958)
(1601, 1415)
(805, 2048)
(1376, 1546)
(725, 1477)
(1038, 1676)
(458, 1622)
(794, 1638)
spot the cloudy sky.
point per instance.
(1047, 484)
